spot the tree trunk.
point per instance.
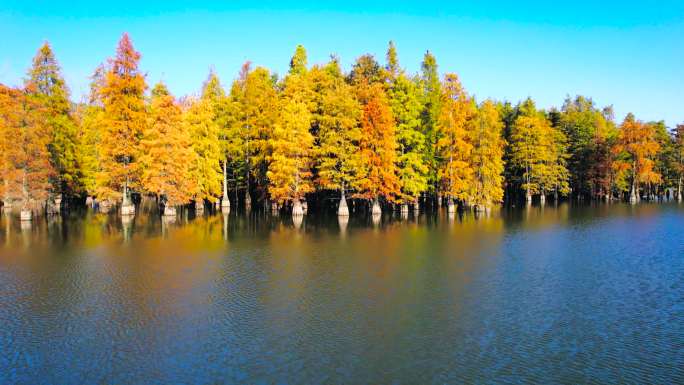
(375, 209)
(297, 210)
(451, 207)
(342, 209)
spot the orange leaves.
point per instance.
(377, 147)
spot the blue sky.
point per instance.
(623, 53)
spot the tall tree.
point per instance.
(46, 87)
(635, 147)
(258, 103)
(432, 96)
(587, 131)
(124, 122)
(536, 153)
(377, 148)
(404, 96)
(335, 122)
(453, 148)
(90, 119)
(167, 155)
(26, 168)
(289, 169)
(487, 156)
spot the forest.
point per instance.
(374, 138)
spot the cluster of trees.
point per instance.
(375, 134)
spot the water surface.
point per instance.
(591, 294)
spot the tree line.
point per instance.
(375, 134)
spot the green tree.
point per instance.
(335, 122)
(405, 97)
(46, 86)
(487, 156)
(537, 153)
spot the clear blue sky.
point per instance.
(623, 53)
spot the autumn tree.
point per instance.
(636, 145)
(90, 117)
(377, 176)
(167, 156)
(257, 101)
(46, 87)
(453, 149)
(485, 134)
(537, 153)
(289, 169)
(123, 125)
(335, 122)
(26, 168)
(404, 95)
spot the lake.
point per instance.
(567, 294)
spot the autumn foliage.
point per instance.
(375, 133)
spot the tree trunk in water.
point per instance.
(343, 209)
(633, 199)
(225, 202)
(451, 207)
(679, 190)
(375, 209)
(542, 199)
(127, 208)
(528, 197)
(439, 200)
(169, 211)
(297, 210)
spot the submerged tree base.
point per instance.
(26, 215)
(127, 210)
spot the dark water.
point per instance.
(555, 295)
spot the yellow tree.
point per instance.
(90, 119)
(537, 153)
(204, 132)
(453, 148)
(336, 117)
(291, 144)
(636, 145)
(487, 156)
(377, 176)
(257, 101)
(289, 170)
(167, 153)
(124, 122)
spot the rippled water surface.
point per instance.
(554, 295)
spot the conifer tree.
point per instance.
(258, 104)
(46, 87)
(485, 134)
(537, 153)
(432, 96)
(678, 163)
(124, 122)
(167, 155)
(404, 97)
(377, 148)
(453, 148)
(636, 145)
(289, 169)
(335, 122)
(90, 119)
(25, 136)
